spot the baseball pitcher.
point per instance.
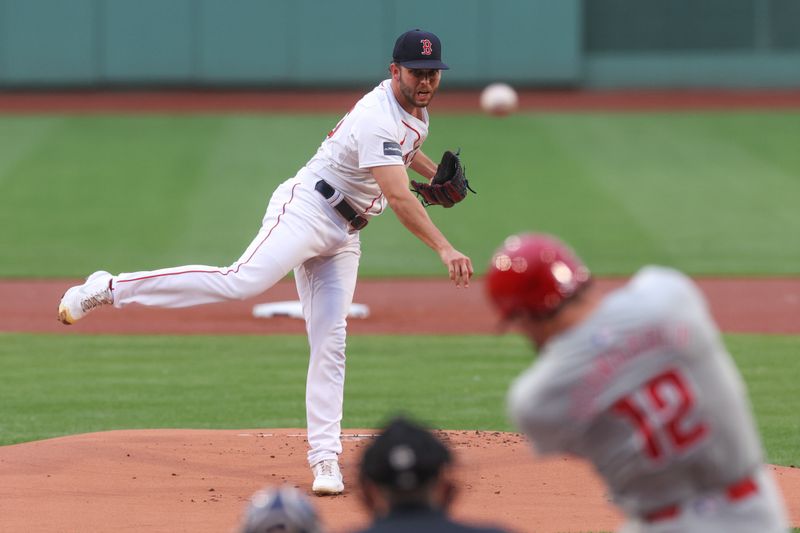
(312, 226)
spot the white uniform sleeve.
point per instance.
(378, 142)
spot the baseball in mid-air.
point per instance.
(499, 99)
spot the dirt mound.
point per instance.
(200, 480)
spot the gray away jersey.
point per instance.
(646, 391)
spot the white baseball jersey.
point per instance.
(302, 232)
(645, 389)
(376, 132)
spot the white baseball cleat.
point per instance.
(80, 300)
(327, 478)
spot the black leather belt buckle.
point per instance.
(358, 223)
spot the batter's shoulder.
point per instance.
(661, 276)
(667, 285)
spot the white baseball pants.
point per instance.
(299, 231)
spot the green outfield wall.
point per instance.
(347, 43)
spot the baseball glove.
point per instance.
(448, 186)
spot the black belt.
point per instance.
(356, 221)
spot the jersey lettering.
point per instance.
(338, 124)
(663, 402)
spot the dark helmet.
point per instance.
(534, 273)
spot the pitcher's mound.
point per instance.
(200, 480)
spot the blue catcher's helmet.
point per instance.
(280, 510)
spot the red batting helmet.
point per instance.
(534, 273)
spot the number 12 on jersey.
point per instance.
(660, 410)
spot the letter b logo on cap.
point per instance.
(418, 49)
(427, 47)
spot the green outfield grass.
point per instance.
(710, 193)
(58, 385)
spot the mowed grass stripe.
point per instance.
(20, 136)
(707, 182)
(105, 188)
(771, 366)
(710, 193)
(250, 157)
(56, 385)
